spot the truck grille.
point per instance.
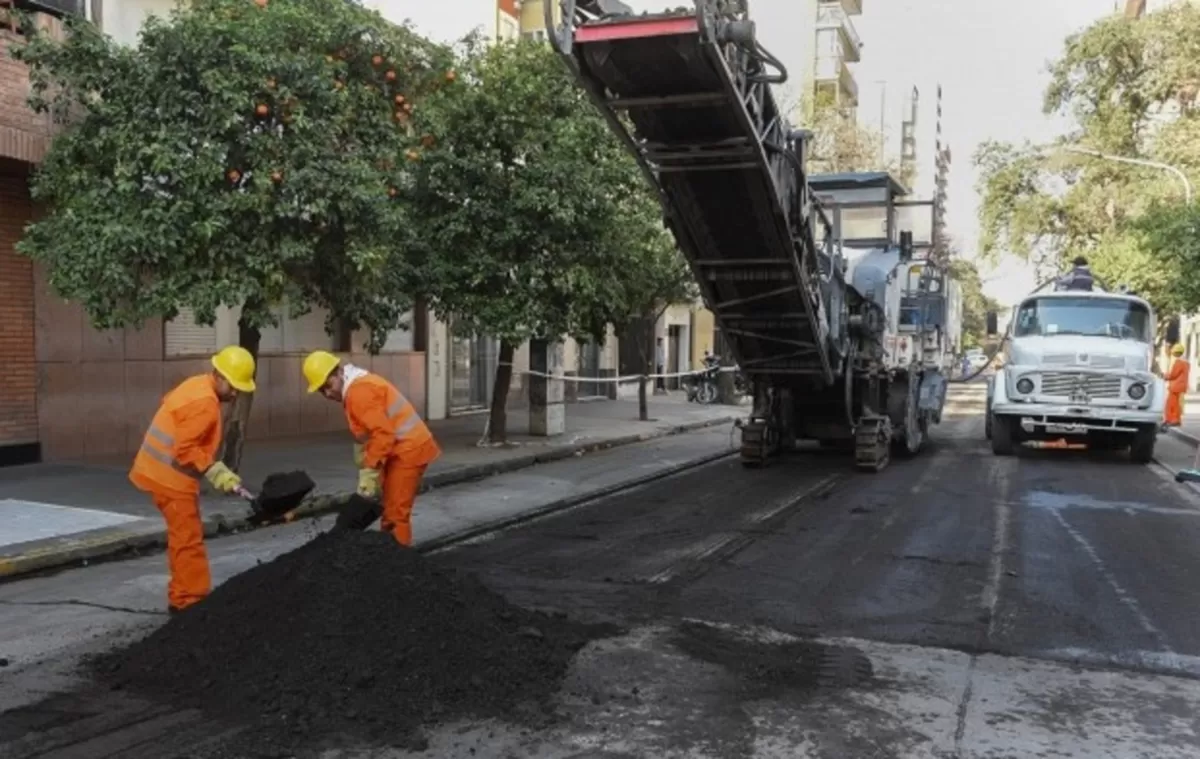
(1093, 361)
(1063, 383)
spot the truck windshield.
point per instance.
(1099, 317)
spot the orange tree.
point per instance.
(241, 154)
(523, 202)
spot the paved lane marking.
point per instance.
(1123, 595)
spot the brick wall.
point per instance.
(24, 135)
(18, 390)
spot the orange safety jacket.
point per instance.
(387, 424)
(1177, 377)
(183, 439)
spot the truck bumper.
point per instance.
(1078, 418)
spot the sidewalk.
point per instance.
(55, 514)
(1189, 431)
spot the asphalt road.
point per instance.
(956, 605)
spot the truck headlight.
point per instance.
(1024, 386)
(1137, 391)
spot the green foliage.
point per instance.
(521, 200)
(238, 154)
(1129, 87)
(653, 273)
(840, 144)
(975, 303)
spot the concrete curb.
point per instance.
(149, 534)
(1190, 439)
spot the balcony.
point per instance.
(832, 16)
(851, 7)
(833, 75)
(54, 8)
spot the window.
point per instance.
(182, 336)
(1096, 317)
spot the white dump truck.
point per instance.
(1078, 366)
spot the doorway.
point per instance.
(473, 360)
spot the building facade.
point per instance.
(838, 46)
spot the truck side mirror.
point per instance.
(993, 324)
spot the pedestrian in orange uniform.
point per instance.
(181, 447)
(393, 446)
(1177, 387)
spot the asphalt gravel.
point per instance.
(349, 638)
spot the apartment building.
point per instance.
(71, 391)
(837, 47)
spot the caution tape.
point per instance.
(620, 379)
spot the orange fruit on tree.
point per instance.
(413, 155)
(451, 75)
(271, 83)
(261, 3)
(338, 84)
(277, 177)
(408, 107)
(377, 61)
(261, 110)
(233, 175)
(393, 192)
(390, 76)
(399, 100)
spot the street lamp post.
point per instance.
(1187, 185)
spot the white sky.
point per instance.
(990, 57)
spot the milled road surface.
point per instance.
(956, 605)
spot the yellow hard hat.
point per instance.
(318, 365)
(235, 364)
(1177, 350)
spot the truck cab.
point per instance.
(1078, 366)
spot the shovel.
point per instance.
(279, 497)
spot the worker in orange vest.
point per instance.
(393, 447)
(1177, 387)
(180, 447)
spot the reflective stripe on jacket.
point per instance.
(183, 439)
(387, 424)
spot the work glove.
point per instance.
(359, 455)
(368, 483)
(222, 478)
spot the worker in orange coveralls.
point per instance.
(393, 446)
(180, 447)
(1177, 387)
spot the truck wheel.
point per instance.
(1141, 451)
(1002, 435)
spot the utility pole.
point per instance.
(1135, 9)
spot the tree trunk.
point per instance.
(498, 416)
(645, 346)
(238, 419)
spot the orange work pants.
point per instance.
(186, 557)
(1173, 413)
(400, 485)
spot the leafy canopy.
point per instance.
(1129, 87)
(240, 153)
(521, 201)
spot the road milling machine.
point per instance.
(843, 323)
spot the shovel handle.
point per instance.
(244, 493)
